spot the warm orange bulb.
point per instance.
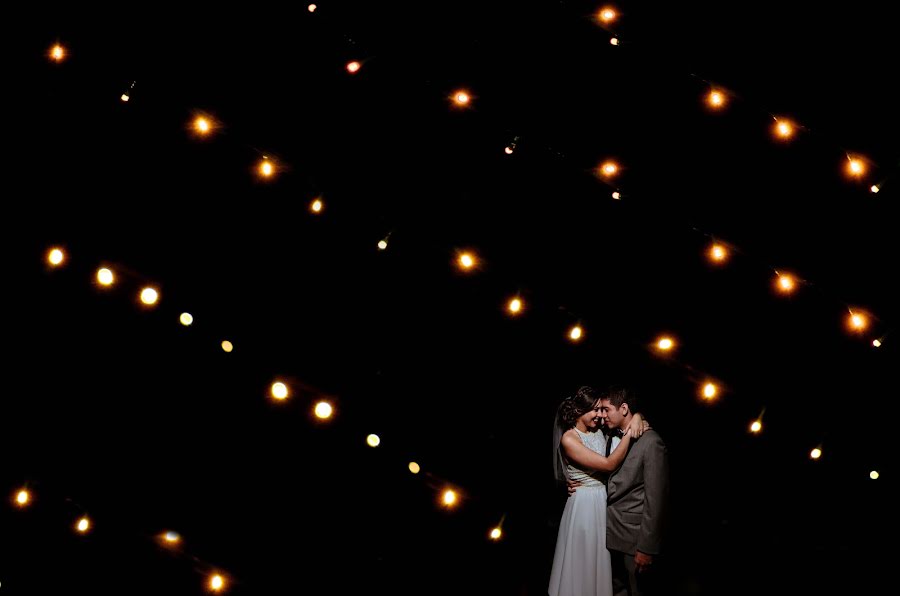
(857, 321)
(449, 498)
(784, 129)
(279, 390)
(56, 256)
(785, 283)
(466, 261)
(607, 15)
(57, 53)
(855, 167)
(323, 410)
(665, 344)
(202, 125)
(608, 169)
(718, 253)
(22, 498)
(216, 583)
(105, 277)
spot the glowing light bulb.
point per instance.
(608, 169)
(665, 344)
(57, 53)
(323, 410)
(449, 498)
(857, 321)
(23, 497)
(855, 167)
(279, 390)
(202, 125)
(718, 253)
(716, 99)
(607, 15)
(216, 583)
(149, 296)
(55, 256)
(784, 129)
(466, 261)
(785, 283)
(105, 277)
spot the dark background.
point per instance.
(146, 425)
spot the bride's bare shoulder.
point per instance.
(571, 435)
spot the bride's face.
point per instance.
(591, 418)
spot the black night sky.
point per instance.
(122, 413)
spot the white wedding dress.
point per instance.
(581, 563)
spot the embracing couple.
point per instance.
(616, 470)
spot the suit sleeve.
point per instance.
(656, 493)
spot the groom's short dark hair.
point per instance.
(619, 395)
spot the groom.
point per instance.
(636, 500)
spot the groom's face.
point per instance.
(612, 416)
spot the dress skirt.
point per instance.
(581, 563)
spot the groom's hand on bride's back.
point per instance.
(571, 485)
